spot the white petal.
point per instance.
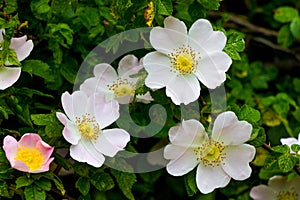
(145, 98)
(2, 32)
(167, 39)
(8, 76)
(188, 134)
(210, 178)
(262, 192)
(158, 67)
(279, 183)
(74, 104)
(21, 47)
(105, 72)
(62, 118)
(84, 151)
(129, 65)
(183, 160)
(236, 163)
(111, 141)
(229, 130)
(289, 141)
(105, 112)
(183, 89)
(71, 133)
(211, 69)
(201, 33)
(93, 85)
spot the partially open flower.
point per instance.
(278, 188)
(116, 86)
(22, 48)
(182, 58)
(219, 158)
(30, 154)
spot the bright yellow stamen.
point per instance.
(149, 13)
(32, 157)
(88, 127)
(211, 153)
(184, 60)
(287, 195)
(122, 88)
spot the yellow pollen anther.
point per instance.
(88, 127)
(184, 60)
(32, 157)
(287, 195)
(122, 88)
(210, 153)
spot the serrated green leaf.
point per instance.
(38, 68)
(81, 169)
(295, 27)
(102, 181)
(41, 9)
(249, 114)
(164, 7)
(59, 184)
(285, 36)
(44, 184)
(285, 14)
(32, 192)
(4, 189)
(295, 148)
(83, 185)
(190, 183)
(23, 181)
(125, 182)
(210, 4)
(235, 44)
(286, 163)
(281, 149)
(258, 137)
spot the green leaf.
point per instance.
(81, 169)
(164, 7)
(4, 189)
(69, 69)
(286, 162)
(41, 9)
(258, 137)
(190, 183)
(32, 192)
(281, 149)
(285, 36)
(210, 4)
(44, 184)
(296, 84)
(249, 114)
(23, 181)
(89, 16)
(11, 6)
(58, 183)
(102, 181)
(235, 44)
(295, 27)
(38, 68)
(285, 14)
(196, 11)
(125, 182)
(83, 185)
(295, 148)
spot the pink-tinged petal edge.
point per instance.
(8, 76)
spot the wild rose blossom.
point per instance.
(219, 158)
(278, 188)
(85, 120)
(183, 58)
(22, 48)
(30, 154)
(116, 86)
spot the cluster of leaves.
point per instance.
(65, 31)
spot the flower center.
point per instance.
(88, 127)
(122, 88)
(32, 157)
(210, 153)
(184, 60)
(287, 195)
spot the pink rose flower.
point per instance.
(30, 154)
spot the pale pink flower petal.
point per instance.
(29, 140)
(210, 178)
(145, 98)
(129, 65)
(228, 129)
(262, 192)
(10, 146)
(71, 104)
(111, 141)
(8, 76)
(237, 166)
(21, 47)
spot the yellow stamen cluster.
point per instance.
(287, 195)
(88, 127)
(32, 157)
(184, 60)
(210, 153)
(122, 88)
(149, 13)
